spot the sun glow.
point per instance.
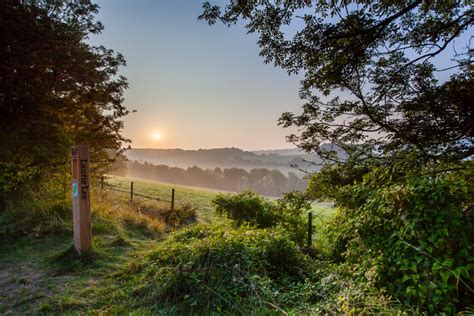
(156, 136)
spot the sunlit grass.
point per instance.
(43, 278)
(199, 198)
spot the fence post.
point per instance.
(102, 185)
(131, 191)
(172, 199)
(310, 229)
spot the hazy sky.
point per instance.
(198, 86)
(201, 86)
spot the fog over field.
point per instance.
(283, 160)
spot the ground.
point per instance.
(38, 274)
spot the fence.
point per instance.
(118, 188)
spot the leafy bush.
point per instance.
(250, 208)
(246, 207)
(290, 213)
(240, 270)
(413, 237)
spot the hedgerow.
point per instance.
(412, 237)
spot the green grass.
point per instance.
(40, 275)
(37, 276)
(197, 198)
(40, 271)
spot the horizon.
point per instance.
(211, 148)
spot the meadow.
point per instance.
(41, 273)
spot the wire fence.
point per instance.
(121, 187)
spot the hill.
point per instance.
(224, 158)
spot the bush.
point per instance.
(250, 208)
(246, 207)
(239, 270)
(225, 269)
(413, 237)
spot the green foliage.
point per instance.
(36, 219)
(56, 90)
(250, 208)
(246, 207)
(218, 268)
(385, 56)
(290, 213)
(199, 269)
(243, 270)
(413, 237)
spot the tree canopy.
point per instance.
(384, 81)
(371, 77)
(56, 90)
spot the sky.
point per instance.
(198, 86)
(201, 86)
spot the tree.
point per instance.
(372, 86)
(55, 90)
(370, 73)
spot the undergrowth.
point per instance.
(240, 270)
(47, 217)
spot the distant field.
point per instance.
(199, 198)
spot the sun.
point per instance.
(156, 136)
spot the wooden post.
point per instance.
(102, 185)
(81, 203)
(172, 199)
(131, 191)
(310, 229)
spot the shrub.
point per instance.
(246, 207)
(250, 208)
(413, 237)
(240, 270)
(290, 213)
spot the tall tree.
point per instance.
(370, 72)
(55, 90)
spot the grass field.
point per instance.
(38, 276)
(200, 199)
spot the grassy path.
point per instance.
(37, 276)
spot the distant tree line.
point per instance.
(261, 180)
